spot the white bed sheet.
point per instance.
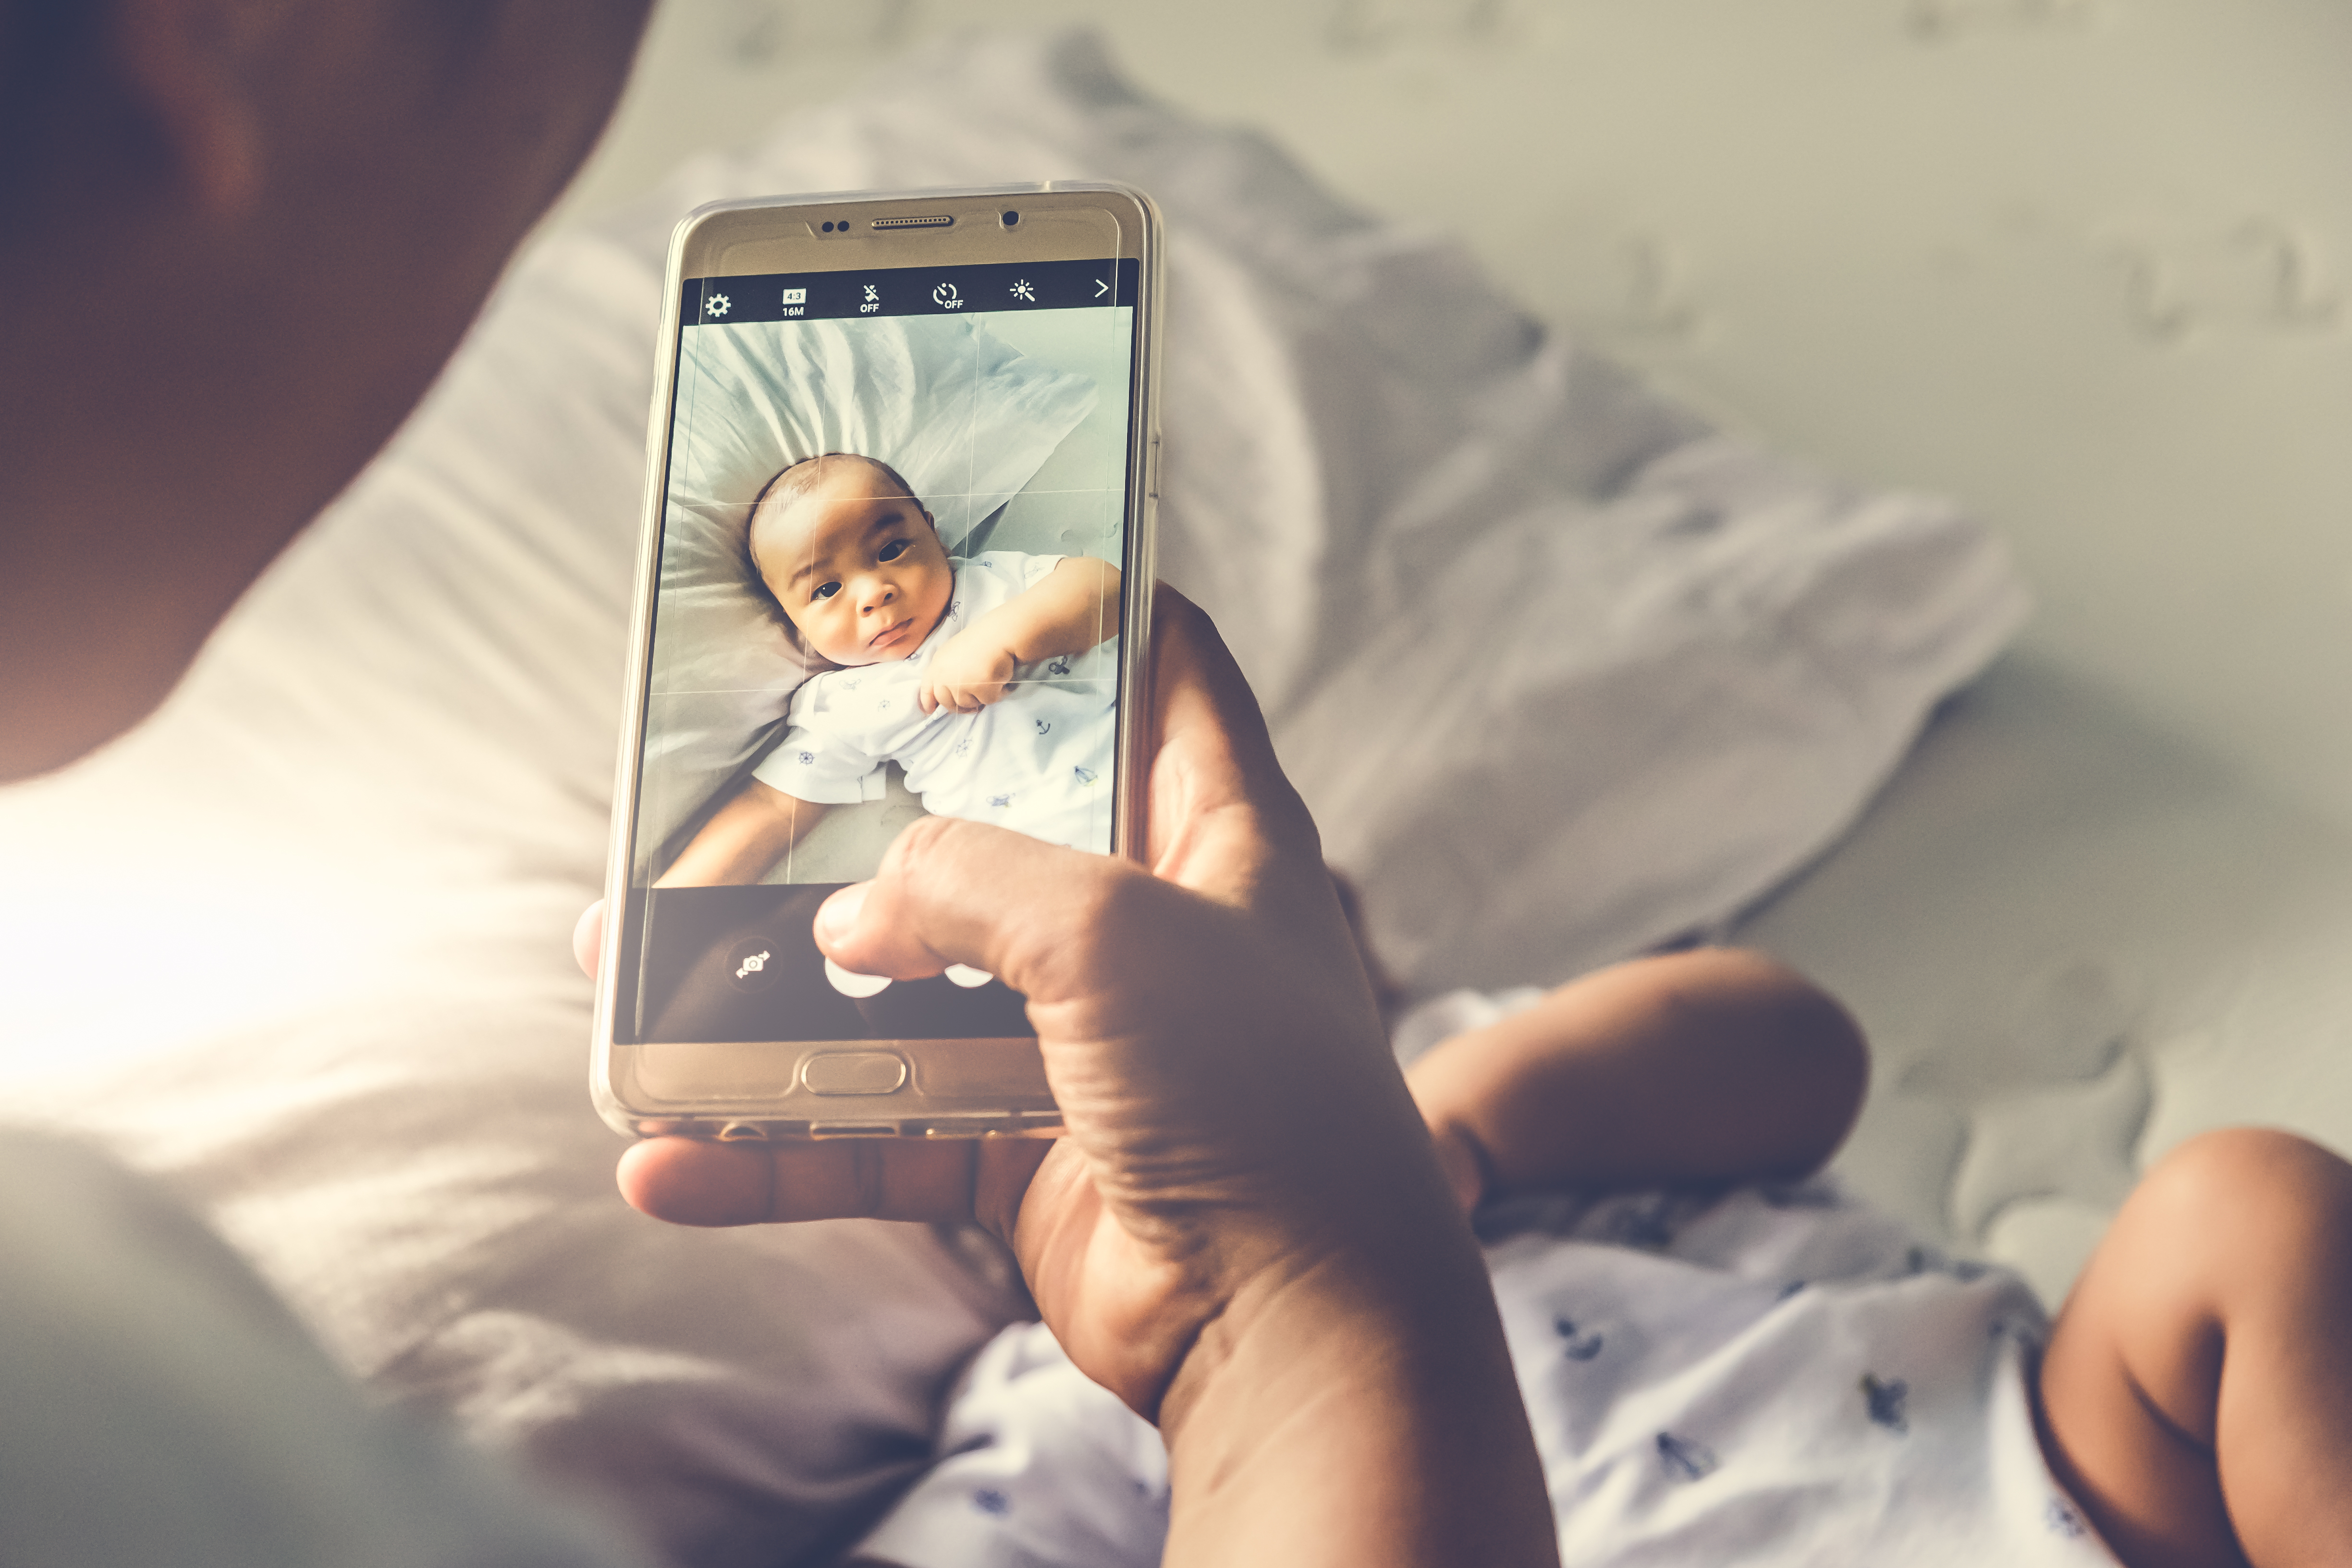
(2075, 942)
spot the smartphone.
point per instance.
(896, 561)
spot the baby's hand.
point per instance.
(967, 674)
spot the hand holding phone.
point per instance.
(1245, 1234)
(1210, 1010)
(1246, 1221)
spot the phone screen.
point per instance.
(895, 530)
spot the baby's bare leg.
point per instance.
(2197, 1391)
(1713, 1064)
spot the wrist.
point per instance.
(983, 644)
(997, 634)
(1372, 1377)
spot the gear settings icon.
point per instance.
(717, 305)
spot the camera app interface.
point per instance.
(892, 545)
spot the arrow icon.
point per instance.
(1102, 287)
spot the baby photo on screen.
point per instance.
(890, 587)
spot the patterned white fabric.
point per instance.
(1038, 1464)
(1775, 1375)
(1038, 761)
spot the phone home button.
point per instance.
(854, 1072)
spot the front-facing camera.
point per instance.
(1008, 218)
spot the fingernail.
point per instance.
(839, 912)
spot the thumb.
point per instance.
(950, 891)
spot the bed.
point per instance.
(298, 946)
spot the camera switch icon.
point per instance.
(752, 965)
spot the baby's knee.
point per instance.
(1780, 1010)
(2224, 1223)
(2255, 1184)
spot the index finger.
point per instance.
(688, 1181)
(1219, 804)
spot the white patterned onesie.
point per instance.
(1770, 1375)
(1038, 761)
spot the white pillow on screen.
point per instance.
(965, 419)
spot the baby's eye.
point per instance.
(895, 549)
(827, 591)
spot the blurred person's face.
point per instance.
(243, 236)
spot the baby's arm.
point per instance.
(742, 838)
(1075, 607)
(1705, 1066)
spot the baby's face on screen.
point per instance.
(854, 562)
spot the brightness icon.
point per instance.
(1020, 290)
